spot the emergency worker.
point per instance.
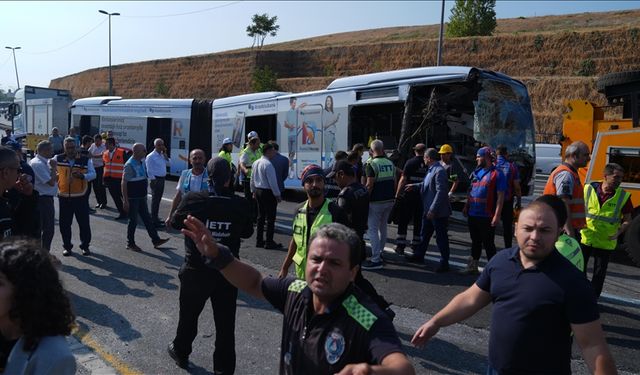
(248, 155)
(74, 174)
(609, 210)
(565, 182)
(484, 207)
(114, 158)
(227, 219)
(191, 180)
(330, 326)
(313, 213)
(513, 194)
(225, 150)
(409, 203)
(456, 173)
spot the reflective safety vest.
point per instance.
(253, 156)
(226, 156)
(483, 194)
(576, 204)
(114, 165)
(602, 221)
(69, 186)
(185, 177)
(300, 234)
(385, 174)
(570, 249)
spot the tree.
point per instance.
(262, 27)
(264, 79)
(472, 18)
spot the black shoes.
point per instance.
(182, 362)
(442, 268)
(160, 242)
(273, 246)
(260, 244)
(86, 252)
(414, 259)
(121, 217)
(134, 247)
(101, 205)
(399, 249)
(66, 252)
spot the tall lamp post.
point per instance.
(13, 49)
(441, 35)
(110, 79)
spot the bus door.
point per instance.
(309, 139)
(88, 125)
(159, 128)
(265, 126)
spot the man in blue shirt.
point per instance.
(538, 297)
(512, 195)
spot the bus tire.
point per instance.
(614, 79)
(632, 240)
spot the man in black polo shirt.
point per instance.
(539, 298)
(329, 325)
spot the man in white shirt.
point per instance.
(96, 150)
(157, 162)
(194, 179)
(46, 184)
(264, 187)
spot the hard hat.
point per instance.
(445, 149)
(227, 141)
(252, 134)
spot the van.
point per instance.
(547, 157)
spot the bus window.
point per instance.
(629, 159)
(376, 121)
(159, 128)
(265, 126)
(87, 125)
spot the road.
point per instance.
(127, 305)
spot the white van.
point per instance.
(547, 157)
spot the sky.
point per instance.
(59, 38)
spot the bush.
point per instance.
(161, 88)
(538, 42)
(264, 79)
(587, 68)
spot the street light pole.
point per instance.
(15, 64)
(110, 79)
(441, 35)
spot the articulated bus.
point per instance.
(463, 106)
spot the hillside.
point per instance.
(558, 57)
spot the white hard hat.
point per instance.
(252, 134)
(227, 141)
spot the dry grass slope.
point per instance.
(558, 57)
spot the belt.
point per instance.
(158, 178)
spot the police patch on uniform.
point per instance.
(334, 346)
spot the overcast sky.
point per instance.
(59, 38)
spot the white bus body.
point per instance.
(40, 109)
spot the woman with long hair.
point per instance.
(35, 311)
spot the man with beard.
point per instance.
(539, 297)
(308, 217)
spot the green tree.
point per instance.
(262, 26)
(264, 79)
(472, 18)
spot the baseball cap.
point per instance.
(344, 166)
(227, 141)
(420, 147)
(252, 134)
(484, 152)
(219, 171)
(445, 149)
(310, 171)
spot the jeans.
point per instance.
(79, 207)
(482, 234)
(196, 287)
(98, 187)
(440, 226)
(157, 189)
(138, 206)
(47, 220)
(600, 264)
(267, 206)
(378, 215)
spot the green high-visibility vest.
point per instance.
(253, 156)
(570, 249)
(300, 234)
(226, 156)
(602, 221)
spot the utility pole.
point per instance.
(15, 64)
(110, 78)
(441, 35)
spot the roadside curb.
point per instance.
(87, 361)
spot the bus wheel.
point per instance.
(632, 240)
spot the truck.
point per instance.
(612, 133)
(37, 110)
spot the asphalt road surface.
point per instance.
(127, 305)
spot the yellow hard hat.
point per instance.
(445, 149)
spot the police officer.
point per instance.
(227, 219)
(330, 326)
(248, 155)
(409, 202)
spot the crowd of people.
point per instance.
(334, 319)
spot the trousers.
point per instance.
(482, 234)
(47, 220)
(78, 207)
(138, 206)
(267, 206)
(377, 223)
(157, 189)
(440, 226)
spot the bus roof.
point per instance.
(239, 99)
(118, 101)
(449, 72)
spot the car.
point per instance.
(547, 157)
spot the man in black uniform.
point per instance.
(329, 324)
(409, 203)
(228, 218)
(354, 200)
(331, 190)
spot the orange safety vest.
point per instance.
(114, 165)
(69, 186)
(576, 204)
